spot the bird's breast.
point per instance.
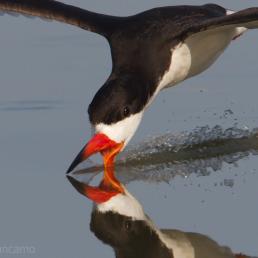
(194, 55)
(178, 70)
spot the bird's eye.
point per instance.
(126, 111)
(128, 225)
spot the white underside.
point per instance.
(197, 54)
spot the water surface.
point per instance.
(199, 179)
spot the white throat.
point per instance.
(123, 130)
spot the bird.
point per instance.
(151, 51)
(118, 219)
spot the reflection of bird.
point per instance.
(150, 51)
(120, 221)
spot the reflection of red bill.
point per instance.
(99, 194)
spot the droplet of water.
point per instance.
(229, 182)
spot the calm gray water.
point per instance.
(50, 72)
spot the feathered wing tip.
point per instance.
(54, 10)
(247, 18)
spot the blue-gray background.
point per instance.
(49, 73)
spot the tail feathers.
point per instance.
(245, 19)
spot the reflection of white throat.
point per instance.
(123, 204)
(121, 131)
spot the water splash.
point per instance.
(200, 139)
(200, 152)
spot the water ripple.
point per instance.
(29, 105)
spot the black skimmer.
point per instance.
(151, 51)
(119, 220)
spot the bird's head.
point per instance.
(115, 114)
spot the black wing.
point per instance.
(247, 18)
(54, 10)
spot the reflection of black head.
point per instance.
(129, 238)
